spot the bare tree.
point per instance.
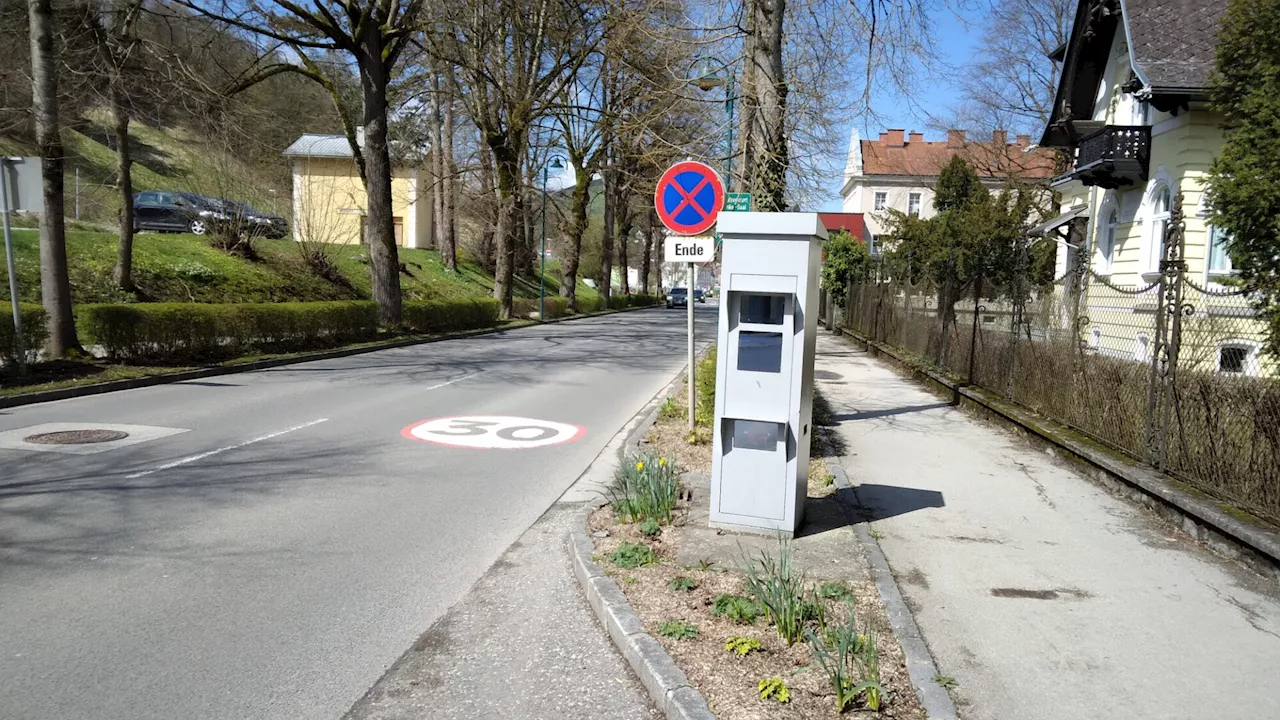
(55, 285)
(372, 35)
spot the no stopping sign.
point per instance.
(486, 432)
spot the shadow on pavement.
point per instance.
(886, 412)
(880, 502)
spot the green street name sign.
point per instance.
(737, 202)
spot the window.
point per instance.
(913, 204)
(1159, 228)
(1142, 347)
(761, 309)
(1238, 357)
(755, 435)
(1095, 337)
(1219, 260)
(759, 351)
(1107, 238)
(881, 198)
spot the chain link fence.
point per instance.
(1172, 372)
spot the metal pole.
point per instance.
(542, 276)
(728, 99)
(18, 346)
(689, 304)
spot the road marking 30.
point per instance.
(493, 432)
(211, 453)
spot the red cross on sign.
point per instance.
(688, 198)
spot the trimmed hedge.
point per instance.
(171, 332)
(435, 316)
(557, 306)
(35, 331)
(206, 331)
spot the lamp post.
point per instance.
(555, 164)
(707, 76)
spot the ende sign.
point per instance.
(695, 249)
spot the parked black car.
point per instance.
(168, 211)
(677, 296)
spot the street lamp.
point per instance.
(707, 75)
(556, 164)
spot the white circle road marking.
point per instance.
(490, 432)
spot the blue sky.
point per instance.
(957, 36)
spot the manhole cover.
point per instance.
(76, 437)
(826, 375)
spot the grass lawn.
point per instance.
(184, 268)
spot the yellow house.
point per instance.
(1132, 110)
(329, 201)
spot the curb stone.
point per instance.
(1255, 546)
(921, 668)
(667, 684)
(42, 396)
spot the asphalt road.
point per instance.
(277, 557)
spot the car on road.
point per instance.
(677, 297)
(173, 211)
(699, 295)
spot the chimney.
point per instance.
(895, 139)
(955, 139)
(916, 137)
(999, 137)
(1024, 140)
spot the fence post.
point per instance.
(977, 311)
(1168, 338)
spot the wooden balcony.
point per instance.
(1113, 157)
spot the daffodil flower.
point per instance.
(640, 466)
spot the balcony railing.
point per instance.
(1115, 156)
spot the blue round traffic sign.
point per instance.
(688, 198)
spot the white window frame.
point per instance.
(1211, 276)
(1153, 219)
(1095, 338)
(1252, 358)
(1142, 347)
(879, 200)
(1107, 233)
(914, 199)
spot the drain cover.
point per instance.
(76, 437)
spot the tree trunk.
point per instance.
(55, 287)
(526, 253)
(624, 235)
(437, 165)
(648, 252)
(489, 211)
(123, 273)
(746, 109)
(606, 238)
(577, 225)
(508, 172)
(769, 87)
(384, 258)
(449, 242)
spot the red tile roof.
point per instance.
(852, 222)
(894, 154)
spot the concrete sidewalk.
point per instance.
(1039, 593)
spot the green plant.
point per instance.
(629, 580)
(781, 591)
(834, 591)
(847, 263)
(741, 645)
(705, 379)
(645, 487)
(34, 333)
(944, 681)
(436, 316)
(678, 630)
(850, 662)
(631, 555)
(737, 608)
(686, 584)
(774, 688)
(650, 528)
(671, 410)
(699, 436)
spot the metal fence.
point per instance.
(1172, 372)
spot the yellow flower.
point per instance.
(640, 466)
(662, 462)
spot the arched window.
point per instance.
(1107, 239)
(1160, 214)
